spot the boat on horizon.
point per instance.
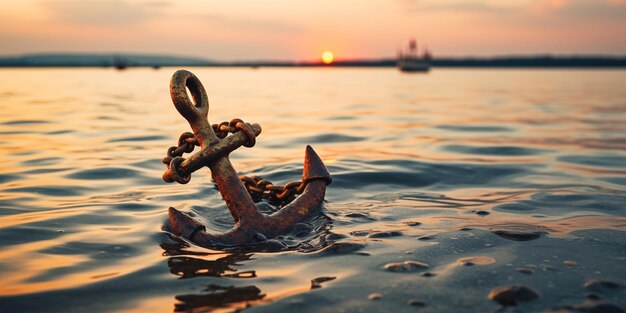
(120, 63)
(411, 61)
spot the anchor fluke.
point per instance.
(182, 224)
(314, 168)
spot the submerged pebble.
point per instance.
(525, 270)
(601, 285)
(339, 248)
(416, 303)
(512, 295)
(592, 296)
(385, 234)
(518, 232)
(413, 224)
(375, 296)
(590, 306)
(406, 266)
(359, 216)
(360, 233)
(317, 282)
(570, 263)
(334, 237)
(478, 260)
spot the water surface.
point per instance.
(488, 177)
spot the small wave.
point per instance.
(422, 174)
(64, 191)
(560, 202)
(138, 138)
(618, 161)
(614, 180)
(60, 132)
(18, 235)
(105, 173)
(494, 150)
(5, 178)
(341, 118)
(25, 122)
(468, 128)
(42, 161)
(327, 138)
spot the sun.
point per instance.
(327, 57)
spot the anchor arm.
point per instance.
(315, 176)
(308, 202)
(244, 233)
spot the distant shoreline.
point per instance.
(138, 60)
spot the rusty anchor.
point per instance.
(215, 146)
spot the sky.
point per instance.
(303, 29)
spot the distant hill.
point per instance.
(99, 60)
(139, 60)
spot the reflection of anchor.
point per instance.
(187, 267)
(215, 296)
(250, 224)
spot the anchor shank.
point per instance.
(233, 191)
(238, 200)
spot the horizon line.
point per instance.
(298, 61)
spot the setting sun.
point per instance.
(327, 57)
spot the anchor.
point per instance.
(216, 142)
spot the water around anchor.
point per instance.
(445, 187)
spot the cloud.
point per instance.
(248, 23)
(464, 6)
(585, 10)
(103, 12)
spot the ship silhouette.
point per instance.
(411, 61)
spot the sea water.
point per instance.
(446, 186)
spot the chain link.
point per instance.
(187, 143)
(261, 188)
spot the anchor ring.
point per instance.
(175, 173)
(191, 111)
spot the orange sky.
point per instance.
(303, 29)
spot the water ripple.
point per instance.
(436, 170)
(494, 150)
(105, 173)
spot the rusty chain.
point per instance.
(261, 188)
(187, 143)
(256, 186)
